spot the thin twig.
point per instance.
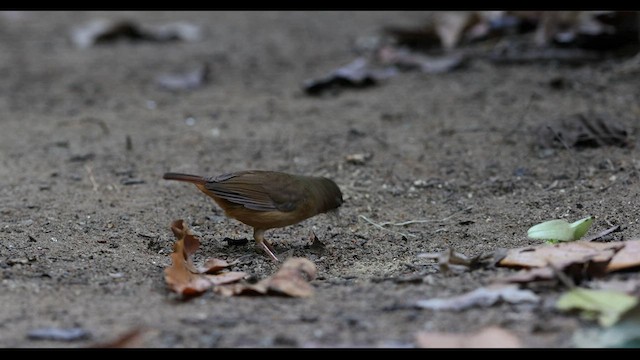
(383, 228)
(409, 222)
(91, 178)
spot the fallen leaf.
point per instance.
(582, 131)
(185, 81)
(292, 279)
(560, 229)
(482, 297)
(240, 289)
(452, 261)
(607, 306)
(489, 337)
(531, 275)
(595, 256)
(100, 31)
(190, 242)
(226, 277)
(628, 257)
(357, 74)
(182, 276)
(59, 334)
(214, 265)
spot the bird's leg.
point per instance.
(258, 235)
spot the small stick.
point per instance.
(91, 178)
(383, 228)
(424, 220)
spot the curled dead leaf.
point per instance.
(182, 276)
(290, 280)
(227, 277)
(214, 265)
(190, 242)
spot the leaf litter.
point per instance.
(488, 337)
(605, 305)
(452, 261)
(571, 37)
(183, 277)
(481, 297)
(594, 257)
(103, 31)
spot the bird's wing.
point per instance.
(257, 190)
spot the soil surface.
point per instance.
(86, 135)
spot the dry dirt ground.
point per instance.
(82, 245)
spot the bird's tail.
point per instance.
(184, 177)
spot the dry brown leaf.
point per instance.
(627, 257)
(291, 280)
(214, 265)
(191, 243)
(561, 255)
(241, 289)
(576, 258)
(182, 276)
(227, 277)
(489, 337)
(531, 275)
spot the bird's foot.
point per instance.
(269, 250)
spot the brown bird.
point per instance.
(267, 199)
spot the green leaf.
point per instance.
(581, 227)
(608, 306)
(560, 230)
